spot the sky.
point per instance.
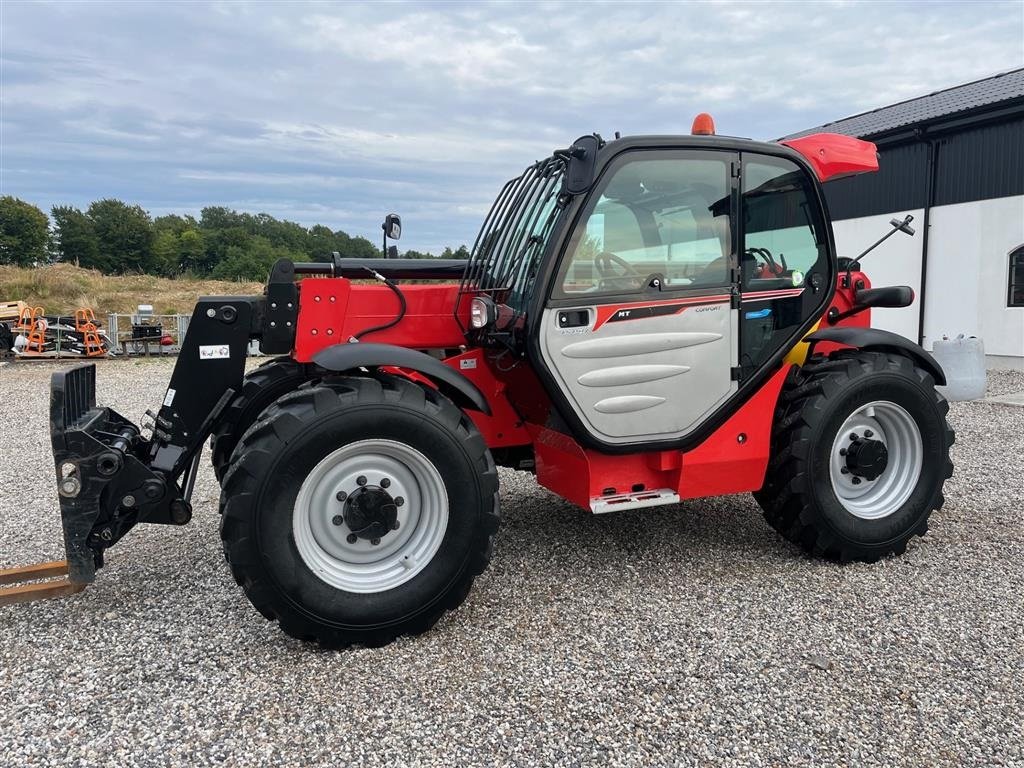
(340, 113)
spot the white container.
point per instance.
(963, 362)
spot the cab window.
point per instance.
(655, 216)
(783, 240)
(785, 249)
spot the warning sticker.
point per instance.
(169, 398)
(214, 351)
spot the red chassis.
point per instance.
(732, 459)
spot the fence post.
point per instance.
(182, 328)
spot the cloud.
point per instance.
(340, 113)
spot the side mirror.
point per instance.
(582, 156)
(889, 296)
(392, 226)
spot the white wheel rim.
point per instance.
(896, 429)
(361, 566)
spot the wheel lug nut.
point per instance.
(399, 501)
(842, 451)
(341, 495)
(868, 433)
(337, 519)
(395, 526)
(375, 542)
(853, 435)
(351, 538)
(361, 480)
(844, 470)
(856, 481)
(385, 482)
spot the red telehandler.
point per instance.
(641, 321)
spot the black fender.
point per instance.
(451, 383)
(884, 341)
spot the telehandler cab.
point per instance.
(641, 321)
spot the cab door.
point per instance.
(786, 258)
(640, 328)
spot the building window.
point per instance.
(1015, 294)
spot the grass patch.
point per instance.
(63, 288)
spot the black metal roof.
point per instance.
(980, 95)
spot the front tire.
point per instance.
(260, 387)
(359, 509)
(860, 452)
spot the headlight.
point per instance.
(481, 312)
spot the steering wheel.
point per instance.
(603, 263)
(773, 267)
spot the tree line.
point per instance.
(117, 238)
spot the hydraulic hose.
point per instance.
(401, 310)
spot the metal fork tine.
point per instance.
(37, 589)
(47, 570)
(25, 593)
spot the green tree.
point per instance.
(191, 250)
(252, 262)
(321, 243)
(166, 257)
(125, 235)
(218, 217)
(462, 252)
(174, 224)
(115, 237)
(24, 232)
(74, 237)
(355, 247)
(216, 242)
(238, 264)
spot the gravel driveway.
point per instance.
(689, 635)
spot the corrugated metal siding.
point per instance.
(977, 163)
(901, 184)
(981, 163)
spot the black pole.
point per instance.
(933, 162)
(869, 249)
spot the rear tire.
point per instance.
(260, 387)
(288, 529)
(818, 494)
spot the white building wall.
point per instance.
(897, 261)
(968, 259)
(968, 269)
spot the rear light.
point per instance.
(481, 312)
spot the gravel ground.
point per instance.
(689, 636)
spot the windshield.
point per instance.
(506, 252)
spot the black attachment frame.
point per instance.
(109, 476)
